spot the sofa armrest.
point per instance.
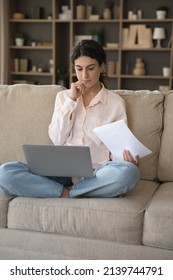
(4, 202)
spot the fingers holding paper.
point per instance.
(128, 157)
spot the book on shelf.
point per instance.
(137, 36)
(112, 67)
(20, 64)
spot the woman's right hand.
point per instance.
(77, 89)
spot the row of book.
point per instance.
(112, 67)
(20, 64)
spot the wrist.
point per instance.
(73, 98)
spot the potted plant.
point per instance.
(32, 42)
(19, 39)
(161, 12)
(97, 35)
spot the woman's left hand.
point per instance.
(128, 157)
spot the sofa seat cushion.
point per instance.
(158, 221)
(117, 219)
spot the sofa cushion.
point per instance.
(165, 166)
(26, 111)
(118, 219)
(145, 113)
(158, 221)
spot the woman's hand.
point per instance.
(77, 89)
(128, 157)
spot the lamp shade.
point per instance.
(159, 33)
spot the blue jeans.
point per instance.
(112, 179)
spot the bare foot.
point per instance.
(65, 192)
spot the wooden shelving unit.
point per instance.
(55, 37)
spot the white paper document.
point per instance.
(117, 136)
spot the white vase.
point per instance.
(19, 42)
(161, 14)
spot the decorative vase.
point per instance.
(107, 14)
(161, 14)
(139, 69)
(19, 42)
(51, 65)
(80, 12)
(98, 38)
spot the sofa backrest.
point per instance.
(165, 165)
(26, 111)
(145, 117)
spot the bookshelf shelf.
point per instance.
(60, 35)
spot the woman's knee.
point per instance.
(123, 173)
(133, 173)
(126, 178)
(9, 169)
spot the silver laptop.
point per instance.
(60, 161)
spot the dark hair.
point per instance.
(91, 49)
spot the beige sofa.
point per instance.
(136, 226)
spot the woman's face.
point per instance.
(88, 70)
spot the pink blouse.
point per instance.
(73, 124)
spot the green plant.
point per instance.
(97, 31)
(98, 35)
(162, 8)
(20, 35)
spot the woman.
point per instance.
(86, 105)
